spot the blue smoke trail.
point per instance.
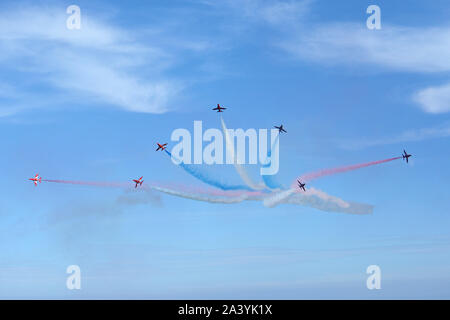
(206, 178)
(269, 179)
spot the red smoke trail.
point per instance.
(327, 172)
(91, 183)
(182, 188)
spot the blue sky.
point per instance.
(90, 104)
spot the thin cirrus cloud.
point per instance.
(424, 50)
(434, 99)
(441, 131)
(273, 12)
(280, 13)
(393, 48)
(99, 62)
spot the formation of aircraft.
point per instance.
(406, 156)
(161, 146)
(280, 128)
(219, 108)
(36, 179)
(301, 185)
(138, 182)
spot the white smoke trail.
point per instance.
(317, 199)
(204, 198)
(278, 198)
(329, 205)
(324, 196)
(239, 168)
(283, 196)
(312, 198)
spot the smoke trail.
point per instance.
(92, 183)
(317, 199)
(205, 198)
(239, 168)
(327, 172)
(324, 196)
(269, 179)
(206, 178)
(213, 192)
(323, 202)
(151, 185)
(278, 198)
(283, 196)
(313, 198)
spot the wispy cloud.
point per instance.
(393, 47)
(441, 131)
(282, 14)
(273, 12)
(99, 62)
(434, 99)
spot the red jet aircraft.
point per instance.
(162, 147)
(36, 179)
(138, 182)
(219, 108)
